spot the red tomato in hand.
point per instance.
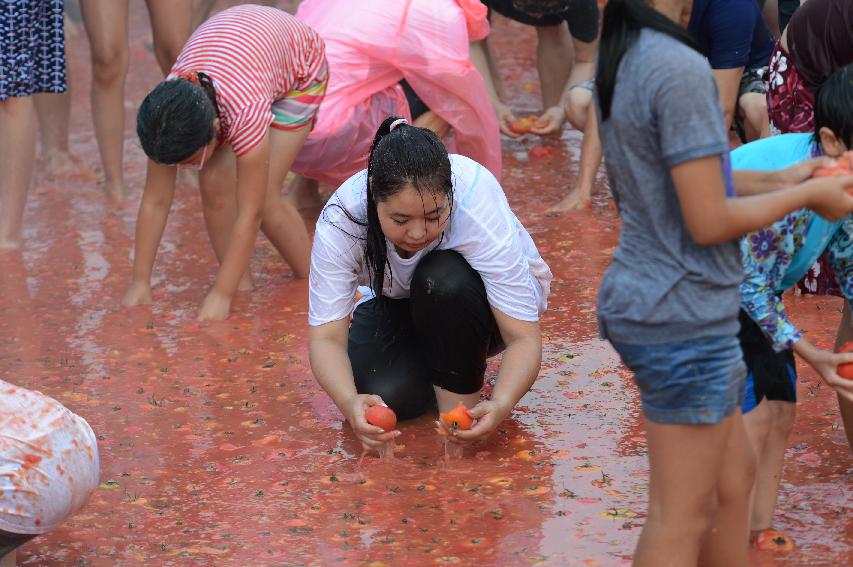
(846, 370)
(383, 417)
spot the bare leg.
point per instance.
(554, 54)
(201, 10)
(753, 111)
(845, 333)
(771, 458)
(281, 222)
(495, 73)
(757, 426)
(726, 542)
(9, 560)
(54, 112)
(686, 462)
(106, 26)
(434, 122)
(171, 26)
(303, 193)
(17, 153)
(591, 153)
(218, 184)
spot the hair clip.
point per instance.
(397, 123)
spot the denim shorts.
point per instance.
(699, 381)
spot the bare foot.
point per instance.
(246, 283)
(577, 200)
(9, 245)
(60, 163)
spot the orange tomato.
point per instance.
(846, 370)
(843, 165)
(383, 417)
(521, 125)
(458, 418)
(772, 540)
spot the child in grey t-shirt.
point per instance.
(669, 302)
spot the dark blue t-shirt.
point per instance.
(731, 33)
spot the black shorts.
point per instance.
(769, 374)
(581, 15)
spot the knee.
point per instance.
(214, 189)
(753, 106)
(577, 107)
(109, 64)
(404, 389)
(443, 276)
(782, 416)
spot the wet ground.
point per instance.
(218, 448)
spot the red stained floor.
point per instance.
(218, 448)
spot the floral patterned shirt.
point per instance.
(767, 253)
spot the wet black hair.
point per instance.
(176, 119)
(402, 157)
(621, 25)
(833, 106)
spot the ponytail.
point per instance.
(623, 20)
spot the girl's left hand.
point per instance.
(215, 307)
(550, 121)
(488, 414)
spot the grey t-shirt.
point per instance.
(662, 286)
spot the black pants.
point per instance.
(10, 542)
(441, 335)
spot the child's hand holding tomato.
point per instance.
(372, 437)
(487, 415)
(830, 366)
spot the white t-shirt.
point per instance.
(482, 228)
(48, 461)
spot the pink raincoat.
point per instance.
(372, 46)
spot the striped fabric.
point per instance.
(255, 56)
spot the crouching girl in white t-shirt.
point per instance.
(454, 278)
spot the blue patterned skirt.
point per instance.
(32, 47)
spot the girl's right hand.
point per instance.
(830, 196)
(139, 293)
(826, 364)
(372, 438)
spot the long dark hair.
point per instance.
(399, 158)
(176, 119)
(833, 106)
(623, 20)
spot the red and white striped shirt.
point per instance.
(254, 55)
